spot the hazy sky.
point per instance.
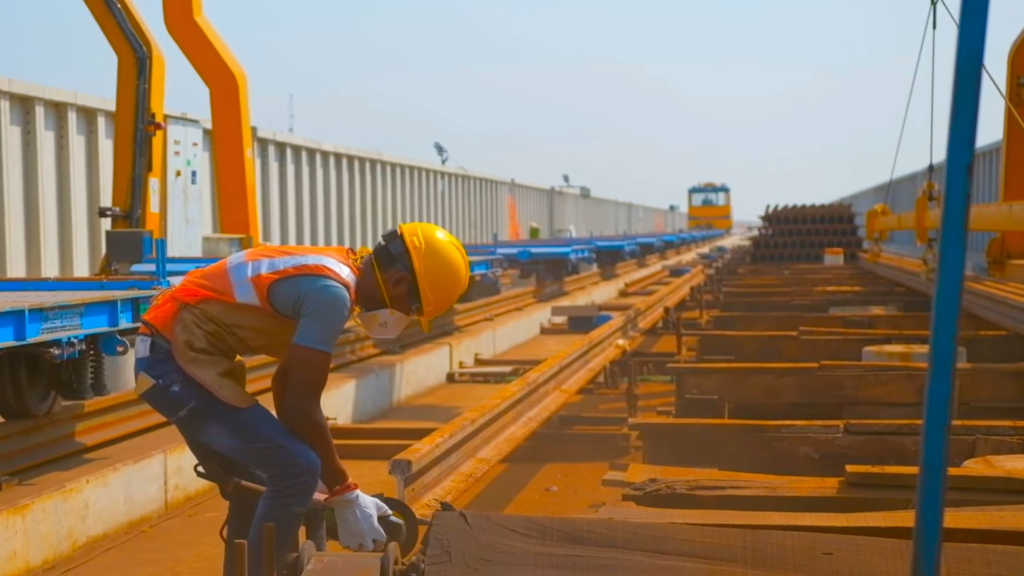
(788, 101)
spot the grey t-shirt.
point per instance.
(319, 304)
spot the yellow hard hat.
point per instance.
(440, 264)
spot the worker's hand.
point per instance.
(356, 515)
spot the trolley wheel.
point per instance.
(29, 387)
(306, 551)
(391, 560)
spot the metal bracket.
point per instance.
(111, 344)
(65, 349)
(928, 258)
(111, 212)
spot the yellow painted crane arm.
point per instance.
(137, 196)
(229, 105)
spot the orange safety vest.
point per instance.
(244, 278)
(221, 312)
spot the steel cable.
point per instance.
(910, 96)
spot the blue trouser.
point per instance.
(246, 443)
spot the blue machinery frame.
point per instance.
(554, 259)
(43, 310)
(963, 128)
(67, 310)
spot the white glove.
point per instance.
(356, 515)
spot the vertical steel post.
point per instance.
(963, 126)
(161, 259)
(240, 557)
(269, 550)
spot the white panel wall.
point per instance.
(56, 157)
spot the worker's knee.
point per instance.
(300, 472)
(309, 466)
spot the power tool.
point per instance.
(397, 558)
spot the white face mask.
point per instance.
(383, 324)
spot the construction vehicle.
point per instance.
(710, 207)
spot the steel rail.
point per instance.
(77, 427)
(997, 301)
(446, 462)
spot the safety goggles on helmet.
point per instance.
(392, 242)
(388, 323)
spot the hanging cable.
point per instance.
(931, 120)
(987, 73)
(928, 256)
(910, 96)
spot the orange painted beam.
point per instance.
(229, 104)
(1006, 217)
(124, 115)
(1012, 181)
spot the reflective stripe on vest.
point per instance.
(242, 271)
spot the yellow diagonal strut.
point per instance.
(126, 128)
(229, 104)
(1010, 245)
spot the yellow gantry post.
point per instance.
(127, 131)
(1010, 245)
(229, 105)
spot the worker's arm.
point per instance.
(321, 307)
(302, 376)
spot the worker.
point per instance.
(290, 303)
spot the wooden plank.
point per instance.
(960, 478)
(636, 473)
(810, 383)
(776, 321)
(811, 331)
(1002, 369)
(805, 449)
(820, 305)
(715, 426)
(1012, 428)
(781, 347)
(1004, 462)
(981, 347)
(658, 343)
(997, 525)
(966, 368)
(819, 295)
(880, 293)
(724, 490)
(957, 478)
(752, 283)
(471, 543)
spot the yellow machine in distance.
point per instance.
(710, 207)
